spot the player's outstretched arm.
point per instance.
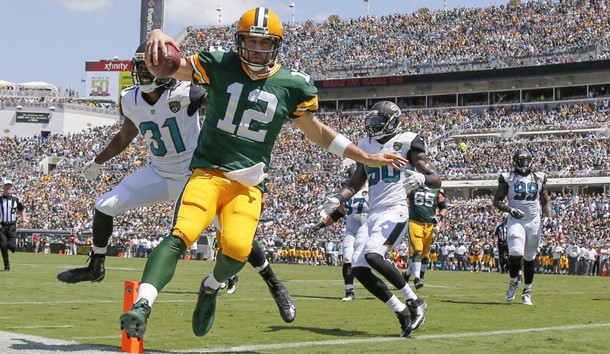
(338, 144)
(155, 48)
(117, 144)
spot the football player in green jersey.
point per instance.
(250, 96)
(423, 218)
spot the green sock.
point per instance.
(161, 264)
(226, 267)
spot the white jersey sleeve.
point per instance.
(170, 133)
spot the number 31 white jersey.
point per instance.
(170, 133)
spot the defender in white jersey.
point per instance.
(355, 211)
(165, 113)
(386, 222)
(527, 195)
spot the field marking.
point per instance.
(17, 343)
(34, 327)
(251, 348)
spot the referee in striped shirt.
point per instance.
(9, 206)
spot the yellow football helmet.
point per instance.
(259, 22)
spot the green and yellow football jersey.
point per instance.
(423, 203)
(244, 113)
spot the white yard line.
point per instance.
(15, 343)
(251, 348)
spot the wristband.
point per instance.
(339, 197)
(339, 144)
(320, 225)
(427, 179)
(336, 215)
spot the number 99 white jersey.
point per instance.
(524, 192)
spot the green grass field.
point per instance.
(466, 311)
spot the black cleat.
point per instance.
(404, 317)
(133, 322)
(282, 298)
(417, 308)
(419, 283)
(95, 271)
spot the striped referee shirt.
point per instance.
(8, 208)
(501, 233)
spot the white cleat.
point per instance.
(526, 297)
(349, 296)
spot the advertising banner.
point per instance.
(33, 117)
(151, 17)
(106, 79)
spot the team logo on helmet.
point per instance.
(174, 106)
(384, 119)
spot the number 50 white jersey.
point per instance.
(385, 182)
(170, 133)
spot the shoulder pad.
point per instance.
(504, 177)
(540, 176)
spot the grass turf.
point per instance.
(466, 311)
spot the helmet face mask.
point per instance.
(522, 161)
(142, 77)
(384, 119)
(260, 28)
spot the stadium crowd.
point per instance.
(457, 39)
(302, 173)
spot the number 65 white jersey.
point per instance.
(170, 133)
(524, 192)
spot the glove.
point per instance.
(414, 180)
(314, 227)
(91, 170)
(330, 204)
(516, 213)
(436, 219)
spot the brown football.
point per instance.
(168, 64)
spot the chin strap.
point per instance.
(148, 88)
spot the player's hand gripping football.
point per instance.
(156, 46)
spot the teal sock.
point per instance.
(226, 267)
(162, 262)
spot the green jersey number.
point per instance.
(424, 199)
(157, 146)
(243, 129)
